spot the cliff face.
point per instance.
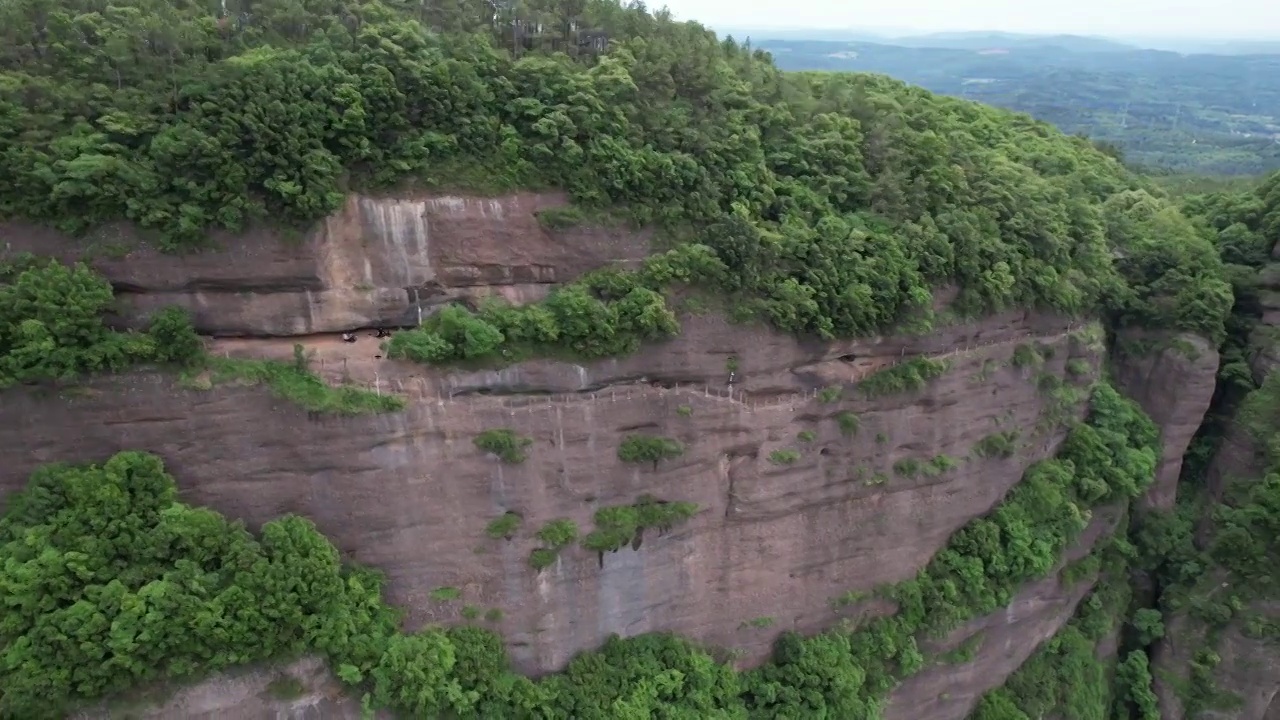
(770, 540)
(774, 540)
(1172, 378)
(372, 263)
(1248, 670)
(1249, 667)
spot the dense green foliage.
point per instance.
(504, 443)
(907, 376)
(1210, 577)
(998, 445)
(110, 582)
(1207, 114)
(52, 329)
(827, 205)
(504, 526)
(830, 204)
(103, 562)
(51, 326)
(1247, 534)
(555, 536)
(1245, 515)
(617, 526)
(640, 448)
(605, 314)
(1066, 678)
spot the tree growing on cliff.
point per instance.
(175, 338)
(52, 328)
(504, 443)
(639, 448)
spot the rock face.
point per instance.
(794, 509)
(372, 263)
(772, 539)
(301, 690)
(1004, 640)
(1250, 667)
(1172, 378)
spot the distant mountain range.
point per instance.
(977, 40)
(1202, 113)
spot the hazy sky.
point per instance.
(1254, 19)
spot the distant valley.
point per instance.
(1166, 111)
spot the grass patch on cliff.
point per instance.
(292, 382)
(998, 445)
(445, 594)
(564, 217)
(849, 423)
(933, 467)
(505, 526)
(785, 456)
(286, 687)
(1025, 356)
(964, 652)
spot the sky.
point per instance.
(1207, 19)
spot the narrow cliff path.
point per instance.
(364, 363)
(332, 358)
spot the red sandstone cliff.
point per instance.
(409, 492)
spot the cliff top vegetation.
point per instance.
(831, 205)
(834, 204)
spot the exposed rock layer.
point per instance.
(1172, 378)
(771, 540)
(409, 493)
(1249, 667)
(372, 263)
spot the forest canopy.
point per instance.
(836, 203)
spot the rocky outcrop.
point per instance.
(1172, 377)
(301, 690)
(1004, 640)
(377, 261)
(1250, 668)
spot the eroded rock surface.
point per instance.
(771, 539)
(1172, 378)
(300, 690)
(410, 493)
(374, 262)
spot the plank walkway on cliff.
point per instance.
(738, 398)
